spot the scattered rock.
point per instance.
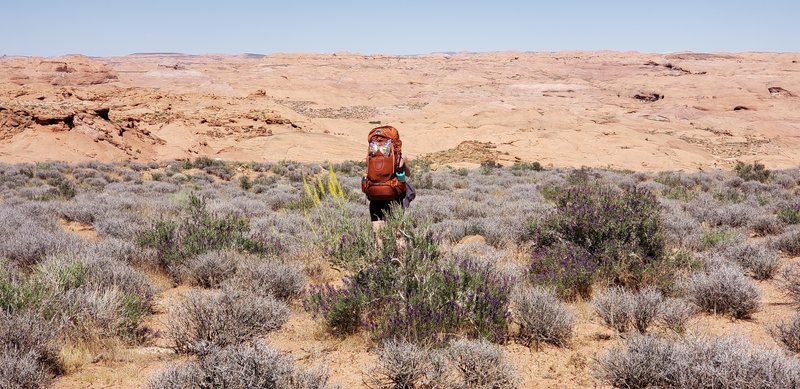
(177, 66)
(649, 97)
(741, 108)
(777, 91)
(670, 67)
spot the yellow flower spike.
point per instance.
(331, 182)
(334, 186)
(306, 187)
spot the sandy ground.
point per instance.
(562, 109)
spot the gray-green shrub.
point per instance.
(676, 313)
(241, 366)
(206, 320)
(647, 362)
(722, 288)
(402, 364)
(761, 262)
(788, 333)
(481, 365)
(543, 317)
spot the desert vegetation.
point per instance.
(217, 264)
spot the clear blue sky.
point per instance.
(99, 28)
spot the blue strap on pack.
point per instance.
(401, 176)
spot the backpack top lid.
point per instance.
(386, 132)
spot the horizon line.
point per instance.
(355, 53)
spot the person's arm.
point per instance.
(404, 165)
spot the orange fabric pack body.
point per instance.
(383, 158)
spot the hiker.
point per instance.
(386, 181)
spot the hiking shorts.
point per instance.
(379, 209)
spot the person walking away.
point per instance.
(386, 180)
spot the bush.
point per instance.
(349, 242)
(197, 232)
(790, 214)
(647, 362)
(96, 314)
(210, 269)
(615, 306)
(93, 271)
(481, 365)
(18, 294)
(788, 242)
(713, 238)
(729, 195)
(204, 321)
(407, 301)
(62, 189)
(621, 309)
(760, 261)
(675, 313)
(752, 172)
(790, 281)
(415, 294)
(535, 166)
(641, 362)
(28, 349)
(566, 267)
(735, 215)
(106, 267)
(682, 229)
(30, 243)
(543, 318)
(723, 289)
(241, 366)
(406, 365)
(788, 333)
(122, 225)
(269, 277)
(646, 308)
(621, 230)
(21, 370)
(245, 183)
(95, 298)
(764, 225)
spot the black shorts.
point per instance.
(379, 209)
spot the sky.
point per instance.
(110, 28)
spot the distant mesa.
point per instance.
(158, 54)
(700, 56)
(253, 56)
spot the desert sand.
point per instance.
(628, 110)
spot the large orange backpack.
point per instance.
(383, 158)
